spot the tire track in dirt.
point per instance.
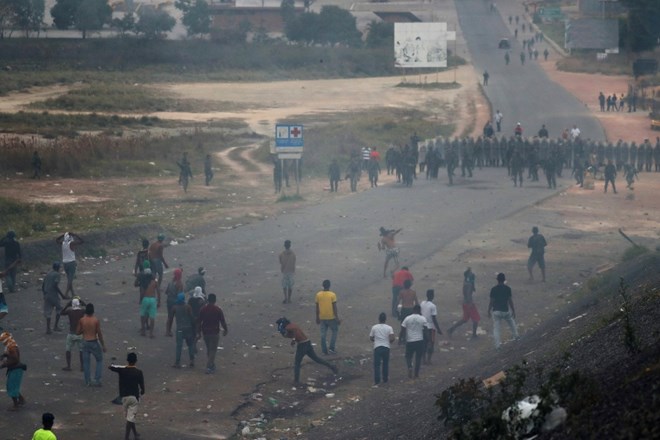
(242, 166)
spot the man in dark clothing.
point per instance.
(196, 280)
(36, 165)
(131, 387)
(208, 170)
(12, 255)
(290, 330)
(183, 316)
(211, 318)
(334, 174)
(537, 244)
(543, 132)
(610, 175)
(501, 306)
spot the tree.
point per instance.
(28, 15)
(125, 24)
(643, 24)
(338, 25)
(381, 34)
(303, 28)
(196, 16)
(154, 23)
(84, 15)
(92, 15)
(288, 10)
(64, 13)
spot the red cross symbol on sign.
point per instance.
(295, 132)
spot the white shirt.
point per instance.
(429, 310)
(381, 334)
(498, 117)
(575, 132)
(414, 325)
(67, 254)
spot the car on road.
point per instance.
(504, 44)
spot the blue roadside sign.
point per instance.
(289, 137)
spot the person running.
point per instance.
(382, 335)
(13, 258)
(184, 330)
(407, 301)
(430, 313)
(211, 318)
(387, 243)
(399, 277)
(93, 345)
(288, 268)
(131, 387)
(74, 310)
(327, 317)
(46, 432)
(470, 312)
(537, 244)
(156, 258)
(148, 308)
(69, 243)
(414, 326)
(171, 291)
(501, 306)
(52, 293)
(290, 330)
(11, 360)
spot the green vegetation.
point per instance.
(633, 252)
(431, 85)
(584, 62)
(553, 30)
(329, 136)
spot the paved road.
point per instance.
(522, 92)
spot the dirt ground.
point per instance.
(580, 225)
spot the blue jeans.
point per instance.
(497, 318)
(381, 357)
(92, 348)
(334, 327)
(189, 336)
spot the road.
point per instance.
(522, 92)
(334, 240)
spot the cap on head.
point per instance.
(75, 304)
(180, 298)
(501, 277)
(161, 237)
(146, 264)
(198, 293)
(326, 284)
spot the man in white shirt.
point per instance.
(429, 312)
(69, 242)
(414, 325)
(575, 132)
(382, 335)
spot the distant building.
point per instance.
(397, 17)
(260, 14)
(592, 33)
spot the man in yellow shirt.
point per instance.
(45, 433)
(327, 317)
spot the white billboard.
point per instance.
(421, 44)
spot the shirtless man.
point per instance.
(388, 244)
(156, 258)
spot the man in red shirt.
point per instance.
(211, 318)
(399, 277)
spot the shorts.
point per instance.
(148, 307)
(73, 340)
(287, 281)
(392, 252)
(404, 313)
(49, 305)
(130, 404)
(4, 309)
(470, 313)
(70, 270)
(533, 259)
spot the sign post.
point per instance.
(289, 143)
